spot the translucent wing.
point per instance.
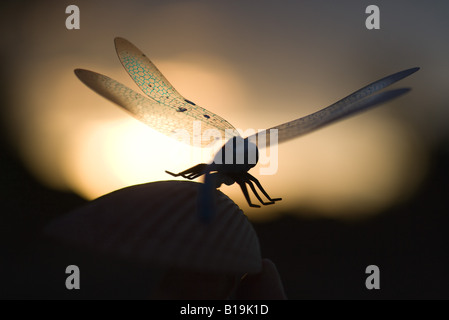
(152, 82)
(358, 101)
(146, 75)
(164, 119)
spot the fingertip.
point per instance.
(266, 285)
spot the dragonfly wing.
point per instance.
(314, 121)
(153, 83)
(146, 75)
(154, 114)
(358, 101)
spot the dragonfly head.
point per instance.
(236, 155)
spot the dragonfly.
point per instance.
(166, 110)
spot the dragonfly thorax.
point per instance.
(236, 155)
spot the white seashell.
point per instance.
(157, 224)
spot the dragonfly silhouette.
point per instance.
(168, 111)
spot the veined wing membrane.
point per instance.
(146, 75)
(153, 83)
(160, 117)
(358, 101)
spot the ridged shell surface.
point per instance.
(157, 223)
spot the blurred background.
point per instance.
(372, 189)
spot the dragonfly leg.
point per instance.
(250, 177)
(191, 173)
(249, 182)
(245, 193)
(171, 173)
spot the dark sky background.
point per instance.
(318, 257)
